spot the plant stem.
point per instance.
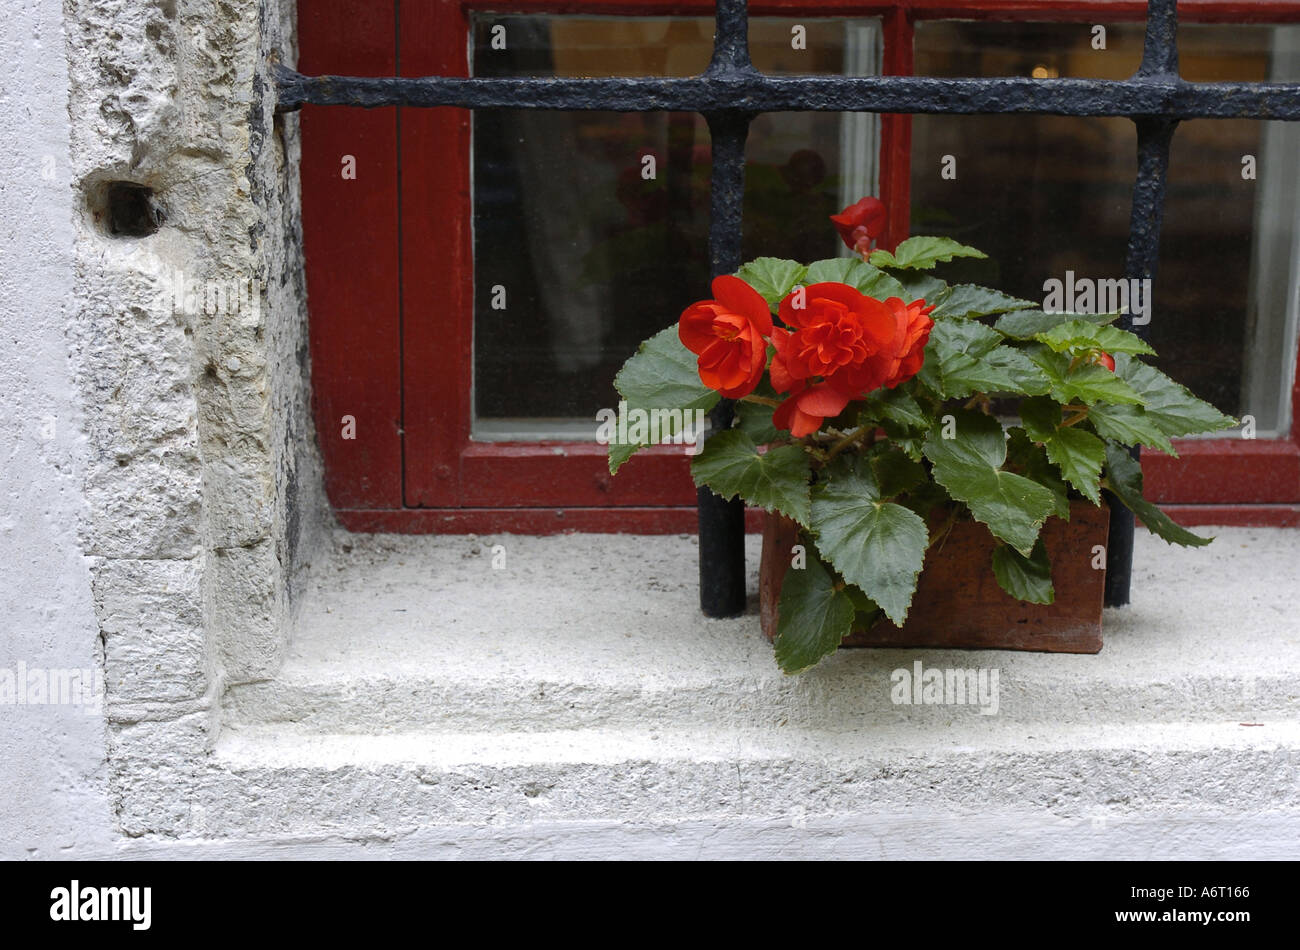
(848, 440)
(1080, 414)
(762, 400)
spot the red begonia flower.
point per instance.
(728, 334)
(840, 346)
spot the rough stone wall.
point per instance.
(201, 482)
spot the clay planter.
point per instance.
(958, 602)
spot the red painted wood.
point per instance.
(896, 134)
(1252, 516)
(572, 475)
(1246, 471)
(437, 263)
(536, 521)
(350, 251)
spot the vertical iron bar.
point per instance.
(722, 523)
(1159, 60)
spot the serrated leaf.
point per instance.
(858, 274)
(661, 374)
(1086, 383)
(1025, 578)
(772, 277)
(812, 616)
(1124, 479)
(1027, 324)
(922, 253)
(1171, 407)
(1031, 459)
(877, 545)
(965, 301)
(1078, 335)
(1079, 454)
(969, 466)
(1129, 425)
(730, 465)
(969, 357)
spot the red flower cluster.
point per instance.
(860, 224)
(837, 344)
(842, 345)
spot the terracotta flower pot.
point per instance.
(958, 602)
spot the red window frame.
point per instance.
(395, 354)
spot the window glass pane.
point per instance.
(583, 247)
(1047, 195)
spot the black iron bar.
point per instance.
(722, 522)
(1154, 133)
(751, 91)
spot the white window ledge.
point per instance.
(579, 683)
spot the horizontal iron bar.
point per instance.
(753, 92)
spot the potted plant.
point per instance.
(899, 430)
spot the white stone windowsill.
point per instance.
(581, 683)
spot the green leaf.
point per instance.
(1078, 335)
(1124, 478)
(812, 616)
(1030, 459)
(875, 544)
(896, 405)
(1079, 454)
(920, 286)
(1025, 578)
(1027, 324)
(776, 481)
(755, 420)
(772, 277)
(1129, 425)
(922, 253)
(969, 357)
(1169, 406)
(895, 471)
(970, 300)
(969, 466)
(1087, 382)
(662, 374)
(858, 274)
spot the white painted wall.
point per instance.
(52, 758)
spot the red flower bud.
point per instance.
(860, 224)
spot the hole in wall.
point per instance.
(126, 209)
